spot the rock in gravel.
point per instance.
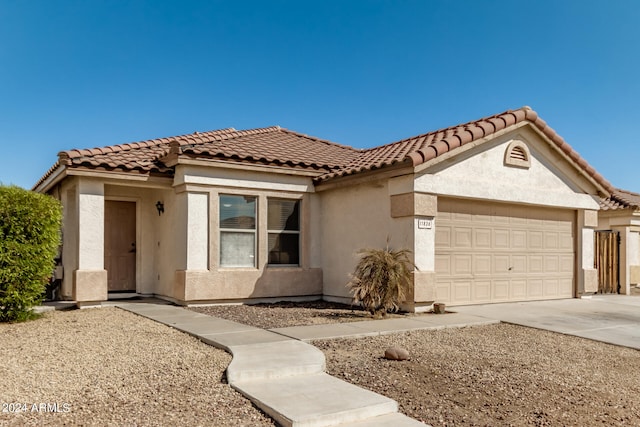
(396, 353)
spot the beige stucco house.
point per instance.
(498, 209)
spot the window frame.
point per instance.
(297, 232)
(254, 231)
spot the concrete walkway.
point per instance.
(285, 377)
(613, 319)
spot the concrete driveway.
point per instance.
(614, 319)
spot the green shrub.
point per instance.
(381, 279)
(29, 240)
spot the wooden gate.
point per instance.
(607, 261)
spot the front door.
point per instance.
(120, 245)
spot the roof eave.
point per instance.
(57, 173)
(425, 164)
(604, 188)
(388, 171)
(230, 164)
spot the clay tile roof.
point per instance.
(273, 145)
(621, 199)
(282, 147)
(422, 148)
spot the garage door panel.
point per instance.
(494, 252)
(550, 287)
(443, 264)
(551, 263)
(565, 288)
(461, 217)
(500, 220)
(443, 235)
(482, 238)
(551, 224)
(501, 264)
(551, 240)
(501, 238)
(461, 264)
(462, 238)
(537, 223)
(518, 264)
(566, 264)
(482, 291)
(535, 239)
(536, 263)
(500, 290)
(535, 288)
(461, 292)
(566, 241)
(443, 291)
(482, 264)
(519, 218)
(518, 289)
(518, 239)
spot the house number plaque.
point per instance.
(425, 223)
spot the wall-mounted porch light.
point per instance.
(160, 207)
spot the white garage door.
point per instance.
(496, 253)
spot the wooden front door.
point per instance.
(120, 245)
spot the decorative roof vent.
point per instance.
(517, 155)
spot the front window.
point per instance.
(237, 231)
(283, 224)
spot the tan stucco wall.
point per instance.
(587, 275)
(83, 199)
(84, 277)
(354, 218)
(197, 276)
(550, 181)
(480, 173)
(149, 229)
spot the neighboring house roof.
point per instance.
(282, 147)
(620, 199)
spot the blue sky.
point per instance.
(80, 74)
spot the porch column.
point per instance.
(194, 219)
(587, 273)
(422, 209)
(197, 231)
(90, 278)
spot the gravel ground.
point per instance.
(114, 368)
(109, 367)
(284, 314)
(498, 375)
